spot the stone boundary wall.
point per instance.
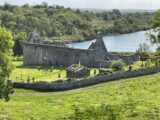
(73, 84)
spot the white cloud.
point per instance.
(104, 4)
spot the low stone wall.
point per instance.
(72, 84)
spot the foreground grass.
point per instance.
(137, 97)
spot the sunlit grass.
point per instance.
(40, 73)
(143, 93)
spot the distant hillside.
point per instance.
(57, 22)
(96, 10)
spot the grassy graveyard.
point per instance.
(40, 73)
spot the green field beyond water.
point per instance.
(128, 99)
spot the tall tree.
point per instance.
(17, 48)
(6, 66)
(143, 50)
(155, 34)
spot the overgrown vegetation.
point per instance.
(6, 66)
(154, 36)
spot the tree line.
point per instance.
(59, 23)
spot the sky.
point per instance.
(101, 4)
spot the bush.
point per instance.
(117, 65)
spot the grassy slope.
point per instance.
(144, 93)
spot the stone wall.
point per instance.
(72, 84)
(129, 60)
(37, 51)
(39, 54)
(42, 54)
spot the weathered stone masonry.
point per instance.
(37, 52)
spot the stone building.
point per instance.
(77, 71)
(37, 52)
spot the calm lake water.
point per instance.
(118, 43)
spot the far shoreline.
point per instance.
(92, 38)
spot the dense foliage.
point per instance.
(6, 66)
(155, 34)
(156, 19)
(61, 23)
(144, 50)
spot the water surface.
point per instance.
(119, 43)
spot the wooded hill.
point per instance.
(62, 23)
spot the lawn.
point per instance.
(40, 73)
(132, 99)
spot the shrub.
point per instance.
(130, 68)
(117, 65)
(148, 64)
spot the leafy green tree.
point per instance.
(117, 12)
(144, 50)
(6, 67)
(18, 48)
(156, 19)
(7, 6)
(105, 15)
(155, 34)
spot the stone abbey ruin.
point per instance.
(37, 51)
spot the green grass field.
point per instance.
(45, 73)
(131, 99)
(40, 73)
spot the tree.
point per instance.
(117, 12)
(6, 67)
(44, 18)
(143, 50)
(155, 34)
(19, 38)
(156, 20)
(7, 6)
